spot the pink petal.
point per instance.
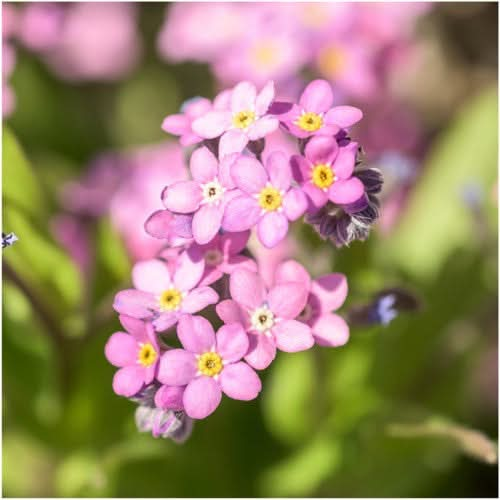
(232, 141)
(204, 165)
(197, 107)
(229, 311)
(301, 168)
(291, 270)
(198, 299)
(329, 292)
(247, 288)
(345, 192)
(189, 270)
(236, 261)
(330, 330)
(196, 334)
(293, 336)
(128, 381)
(151, 276)
(264, 99)
(212, 124)
(280, 172)
(241, 214)
(321, 149)
(295, 204)
(136, 327)
(287, 300)
(233, 243)
(165, 321)
(211, 275)
(226, 163)
(177, 367)
(261, 352)
(169, 397)
(249, 175)
(121, 349)
(232, 342)
(272, 229)
(159, 224)
(206, 223)
(317, 197)
(135, 303)
(317, 97)
(344, 116)
(262, 127)
(201, 397)
(176, 124)
(239, 381)
(345, 161)
(243, 97)
(183, 197)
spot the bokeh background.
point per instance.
(404, 410)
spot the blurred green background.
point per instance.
(392, 413)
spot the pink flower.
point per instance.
(246, 119)
(136, 353)
(268, 199)
(315, 115)
(162, 295)
(209, 365)
(206, 196)
(41, 25)
(222, 256)
(326, 172)
(268, 316)
(326, 294)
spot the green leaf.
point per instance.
(287, 403)
(437, 220)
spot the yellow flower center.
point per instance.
(210, 364)
(170, 299)
(323, 176)
(147, 355)
(243, 119)
(265, 55)
(309, 122)
(270, 199)
(332, 61)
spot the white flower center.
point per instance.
(212, 191)
(213, 257)
(262, 319)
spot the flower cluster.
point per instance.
(237, 184)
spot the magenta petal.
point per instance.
(201, 397)
(344, 116)
(211, 275)
(286, 300)
(301, 168)
(262, 127)
(248, 174)
(136, 327)
(159, 224)
(204, 165)
(128, 381)
(247, 288)
(169, 397)
(135, 303)
(206, 223)
(151, 276)
(345, 192)
(329, 291)
(177, 367)
(189, 270)
(291, 270)
(317, 97)
(239, 381)
(212, 124)
(232, 342)
(231, 142)
(196, 334)
(261, 352)
(243, 97)
(272, 228)
(293, 336)
(317, 197)
(121, 349)
(229, 311)
(241, 214)
(330, 330)
(321, 149)
(176, 124)
(264, 98)
(233, 243)
(183, 197)
(198, 299)
(280, 172)
(345, 161)
(295, 204)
